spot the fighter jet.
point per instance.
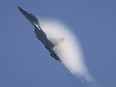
(41, 35)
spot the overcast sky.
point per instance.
(25, 63)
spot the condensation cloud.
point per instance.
(69, 50)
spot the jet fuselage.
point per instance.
(40, 33)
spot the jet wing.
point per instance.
(40, 35)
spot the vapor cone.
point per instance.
(69, 50)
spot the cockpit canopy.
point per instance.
(34, 18)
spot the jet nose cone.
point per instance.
(21, 10)
(18, 7)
